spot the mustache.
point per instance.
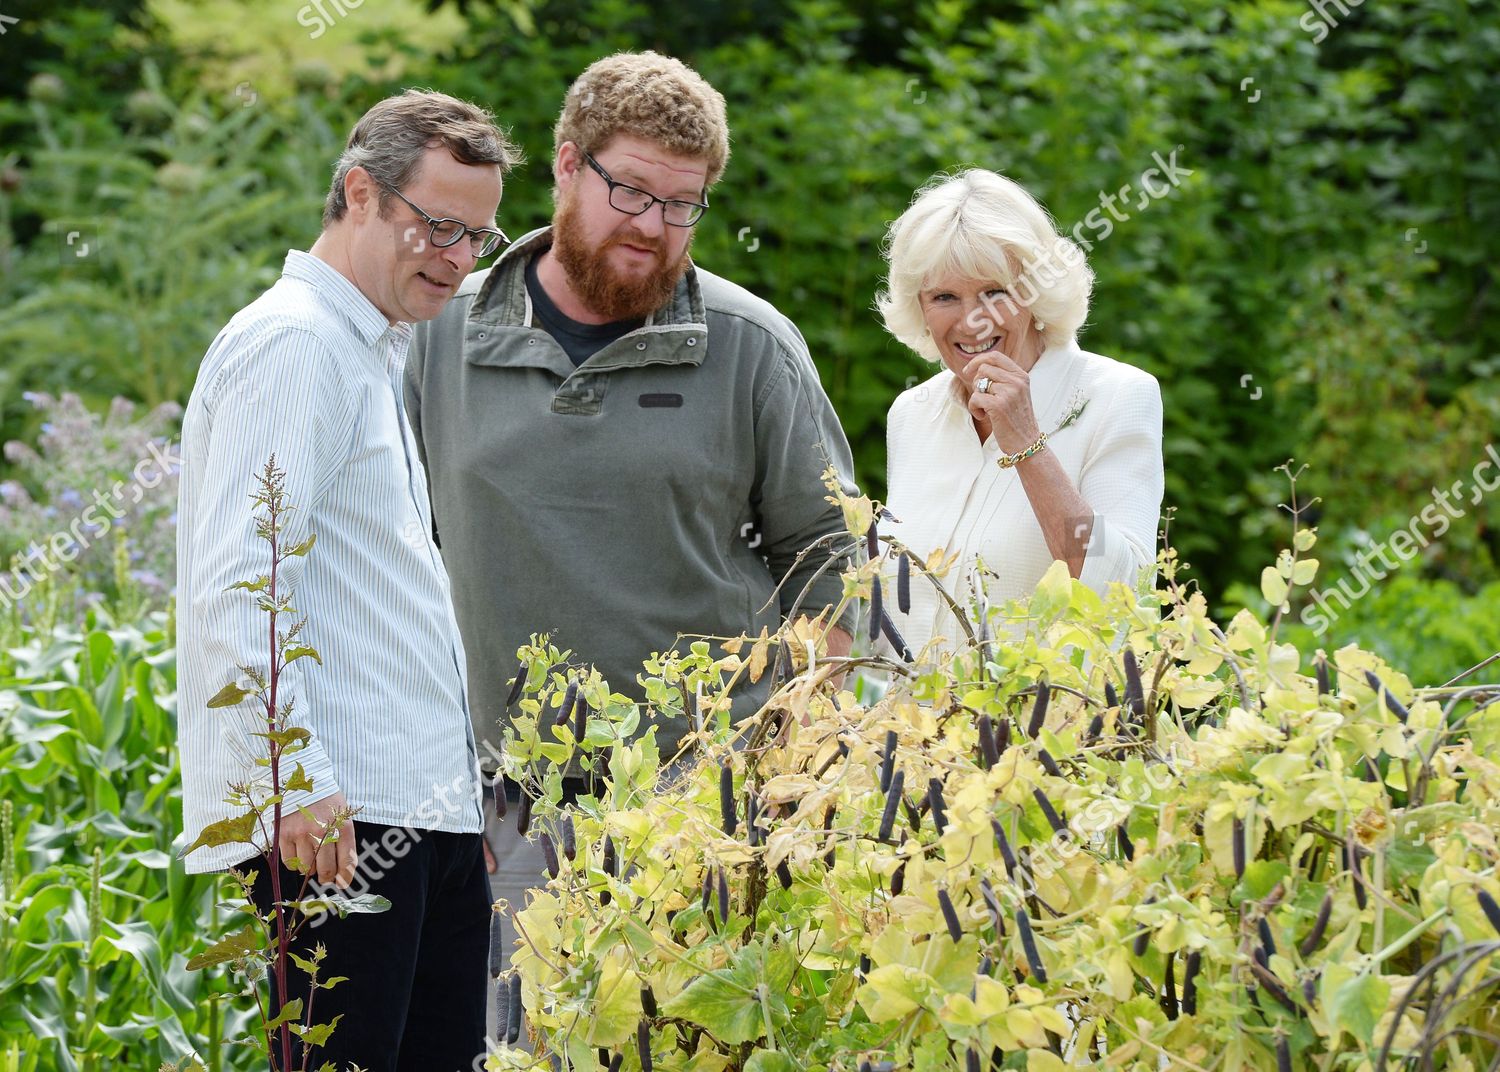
(655, 245)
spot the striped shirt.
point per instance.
(312, 372)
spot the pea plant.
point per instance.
(263, 947)
(1088, 831)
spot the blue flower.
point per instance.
(69, 497)
(145, 578)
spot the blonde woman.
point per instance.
(1024, 449)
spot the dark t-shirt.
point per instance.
(578, 340)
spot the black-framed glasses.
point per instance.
(445, 232)
(632, 201)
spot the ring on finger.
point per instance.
(982, 385)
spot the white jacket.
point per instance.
(947, 491)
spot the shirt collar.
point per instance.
(341, 296)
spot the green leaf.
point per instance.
(317, 1035)
(770, 1061)
(305, 546)
(725, 1003)
(239, 830)
(228, 696)
(1358, 1004)
(289, 1014)
(290, 735)
(307, 966)
(227, 949)
(293, 654)
(299, 782)
(1261, 877)
(260, 584)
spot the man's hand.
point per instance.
(300, 838)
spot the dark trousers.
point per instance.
(415, 996)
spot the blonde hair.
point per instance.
(650, 96)
(980, 225)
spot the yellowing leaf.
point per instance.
(893, 991)
(616, 1008)
(1053, 591)
(1044, 1061)
(1023, 1024)
(990, 996)
(759, 655)
(1273, 586)
(1052, 1020)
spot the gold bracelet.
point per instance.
(1010, 461)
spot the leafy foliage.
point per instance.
(263, 948)
(1115, 831)
(97, 912)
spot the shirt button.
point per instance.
(481, 335)
(640, 346)
(530, 342)
(692, 342)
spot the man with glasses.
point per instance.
(311, 372)
(624, 449)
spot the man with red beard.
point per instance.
(624, 449)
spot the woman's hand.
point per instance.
(1005, 408)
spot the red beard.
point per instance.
(595, 281)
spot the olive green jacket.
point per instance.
(655, 492)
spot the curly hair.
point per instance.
(650, 96)
(981, 225)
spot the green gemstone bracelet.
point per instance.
(1010, 461)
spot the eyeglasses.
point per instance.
(445, 232)
(629, 200)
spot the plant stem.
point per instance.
(274, 855)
